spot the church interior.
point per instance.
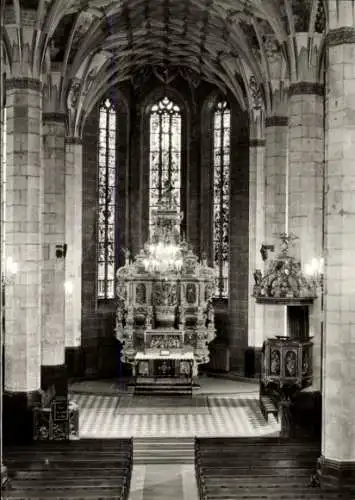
(177, 241)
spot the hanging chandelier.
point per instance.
(165, 250)
(163, 257)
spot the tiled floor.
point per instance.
(236, 413)
(232, 410)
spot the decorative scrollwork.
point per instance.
(284, 281)
(256, 94)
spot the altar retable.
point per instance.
(165, 317)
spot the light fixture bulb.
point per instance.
(11, 266)
(68, 287)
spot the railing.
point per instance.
(201, 485)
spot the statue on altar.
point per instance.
(165, 293)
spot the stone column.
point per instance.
(53, 327)
(338, 430)
(305, 184)
(276, 158)
(256, 236)
(239, 241)
(73, 238)
(3, 475)
(23, 244)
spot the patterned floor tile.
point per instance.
(99, 416)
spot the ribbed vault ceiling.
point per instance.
(101, 42)
(213, 38)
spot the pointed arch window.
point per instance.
(165, 152)
(106, 260)
(221, 196)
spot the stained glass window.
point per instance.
(106, 262)
(221, 195)
(165, 152)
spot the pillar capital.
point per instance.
(306, 88)
(305, 64)
(53, 101)
(276, 121)
(23, 83)
(257, 143)
(341, 36)
(73, 140)
(54, 117)
(25, 59)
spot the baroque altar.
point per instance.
(165, 317)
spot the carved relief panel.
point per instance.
(141, 294)
(190, 293)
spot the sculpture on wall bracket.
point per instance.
(284, 281)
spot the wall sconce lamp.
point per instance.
(11, 270)
(68, 287)
(61, 251)
(315, 271)
(265, 249)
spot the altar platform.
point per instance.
(224, 408)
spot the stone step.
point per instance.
(163, 451)
(172, 441)
(162, 387)
(144, 392)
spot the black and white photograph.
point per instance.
(177, 249)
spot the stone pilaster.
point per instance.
(305, 191)
(256, 236)
(239, 242)
(3, 473)
(73, 238)
(23, 244)
(276, 137)
(338, 436)
(54, 250)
